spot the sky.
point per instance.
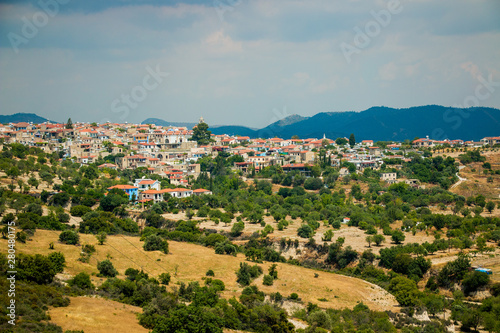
(244, 62)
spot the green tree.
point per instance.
(237, 229)
(113, 200)
(341, 141)
(352, 140)
(268, 280)
(69, 124)
(434, 303)
(69, 237)
(405, 291)
(155, 243)
(164, 278)
(474, 280)
(490, 206)
(106, 269)
(82, 281)
(101, 237)
(32, 181)
(305, 231)
(378, 239)
(201, 134)
(327, 236)
(35, 268)
(369, 240)
(398, 236)
(58, 261)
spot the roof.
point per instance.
(201, 190)
(147, 182)
(123, 187)
(176, 190)
(296, 165)
(151, 192)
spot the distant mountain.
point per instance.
(22, 117)
(215, 129)
(290, 120)
(233, 131)
(161, 122)
(380, 123)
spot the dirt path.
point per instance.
(460, 179)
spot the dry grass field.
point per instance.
(476, 182)
(97, 315)
(188, 262)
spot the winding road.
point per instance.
(460, 179)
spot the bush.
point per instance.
(58, 261)
(69, 237)
(474, 280)
(268, 280)
(106, 269)
(79, 210)
(247, 273)
(155, 243)
(313, 184)
(35, 268)
(34, 208)
(164, 278)
(237, 229)
(405, 291)
(305, 231)
(82, 281)
(398, 236)
(63, 217)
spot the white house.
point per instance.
(179, 192)
(147, 184)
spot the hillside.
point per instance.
(125, 251)
(381, 123)
(22, 117)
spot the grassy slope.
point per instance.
(192, 261)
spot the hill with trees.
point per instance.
(22, 117)
(379, 123)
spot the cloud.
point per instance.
(262, 55)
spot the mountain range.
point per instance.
(22, 117)
(382, 123)
(376, 123)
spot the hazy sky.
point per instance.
(248, 62)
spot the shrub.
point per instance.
(164, 278)
(79, 210)
(106, 269)
(210, 273)
(268, 280)
(313, 184)
(82, 281)
(247, 273)
(35, 268)
(58, 261)
(69, 237)
(63, 217)
(34, 208)
(155, 243)
(237, 229)
(474, 280)
(305, 231)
